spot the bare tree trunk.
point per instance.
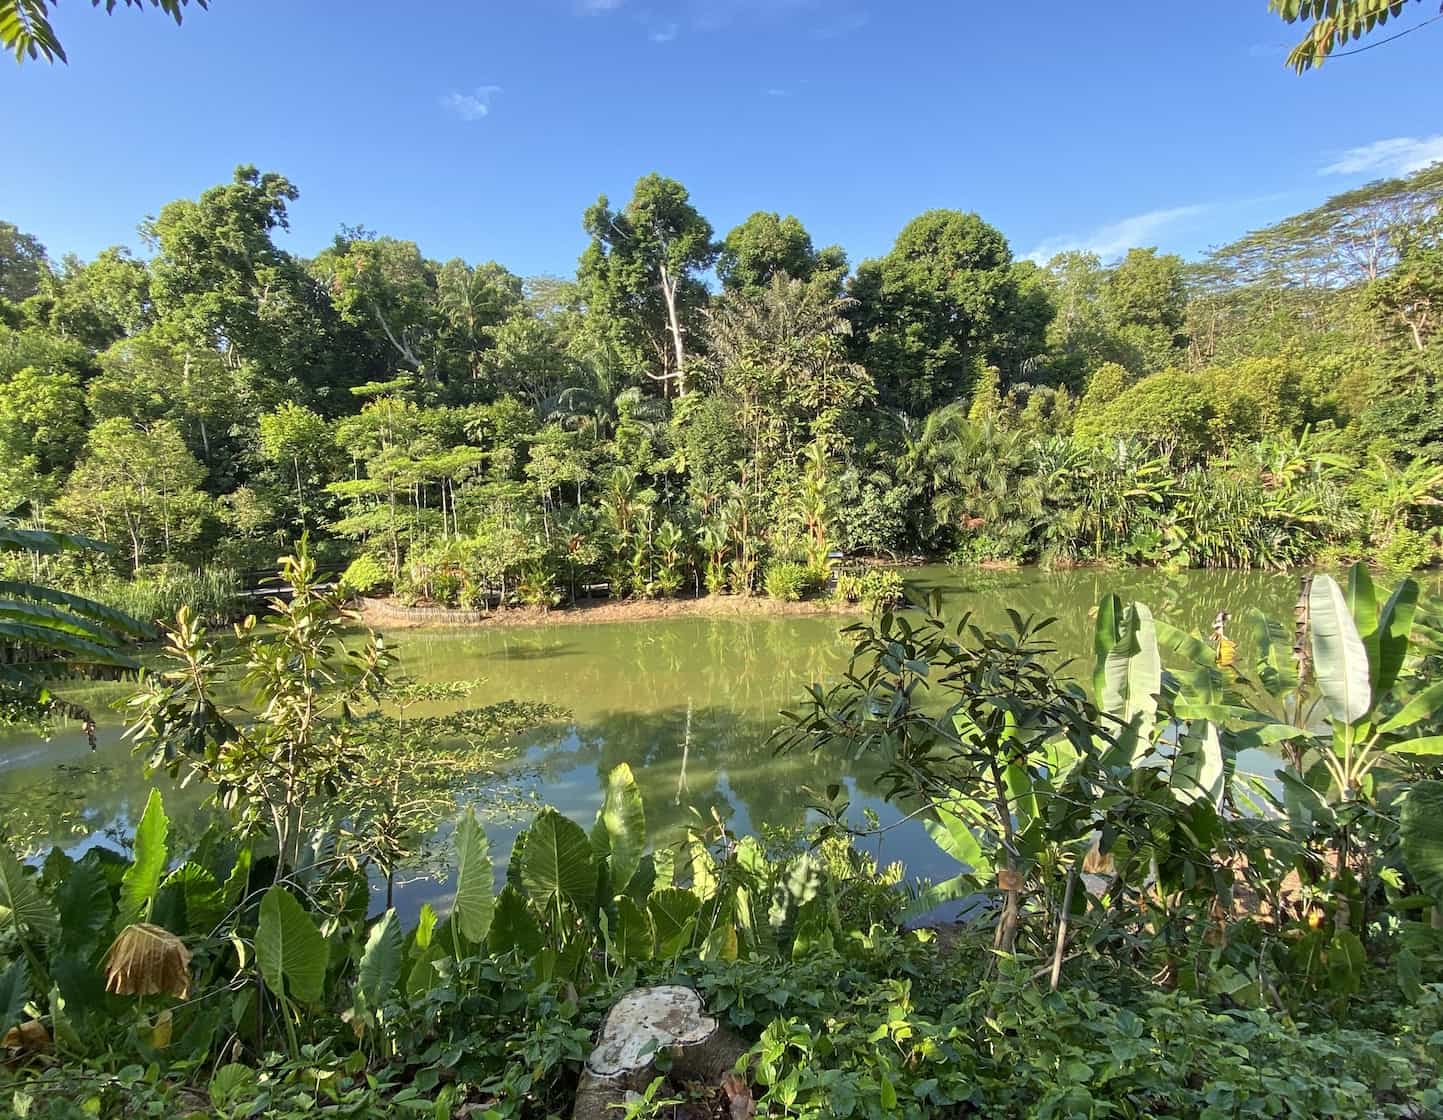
(669, 287)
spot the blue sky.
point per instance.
(483, 128)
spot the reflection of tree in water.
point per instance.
(1188, 599)
(69, 804)
(726, 763)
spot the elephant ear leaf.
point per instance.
(475, 905)
(1340, 658)
(290, 951)
(380, 966)
(14, 991)
(21, 904)
(142, 879)
(557, 864)
(621, 824)
(1421, 830)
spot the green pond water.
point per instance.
(688, 702)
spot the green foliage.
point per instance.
(1333, 25)
(474, 905)
(290, 951)
(25, 25)
(786, 581)
(364, 576)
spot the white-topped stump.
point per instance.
(642, 1024)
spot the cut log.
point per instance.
(641, 1025)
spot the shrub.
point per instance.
(786, 581)
(881, 587)
(849, 588)
(1407, 550)
(365, 575)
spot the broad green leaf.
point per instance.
(514, 927)
(142, 878)
(1198, 769)
(21, 904)
(950, 833)
(1340, 659)
(1106, 633)
(290, 951)
(623, 818)
(939, 894)
(1363, 606)
(1277, 671)
(1431, 744)
(673, 916)
(1395, 629)
(1132, 678)
(1303, 803)
(474, 905)
(425, 926)
(634, 934)
(239, 878)
(83, 900)
(380, 966)
(703, 870)
(196, 886)
(1186, 645)
(14, 991)
(1423, 705)
(556, 865)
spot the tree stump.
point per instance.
(640, 1025)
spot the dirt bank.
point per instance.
(385, 613)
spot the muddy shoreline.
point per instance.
(388, 614)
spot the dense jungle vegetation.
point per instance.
(700, 413)
(1149, 931)
(1150, 921)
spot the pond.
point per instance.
(688, 702)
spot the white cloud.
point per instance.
(471, 106)
(1401, 155)
(777, 91)
(664, 34)
(1117, 238)
(600, 5)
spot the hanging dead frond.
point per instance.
(146, 960)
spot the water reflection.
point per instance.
(689, 703)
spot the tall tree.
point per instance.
(385, 287)
(97, 302)
(944, 299)
(219, 279)
(141, 485)
(768, 245)
(22, 263)
(639, 276)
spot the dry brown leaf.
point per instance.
(1009, 880)
(29, 1038)
(145, 960)
(739, 1094)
